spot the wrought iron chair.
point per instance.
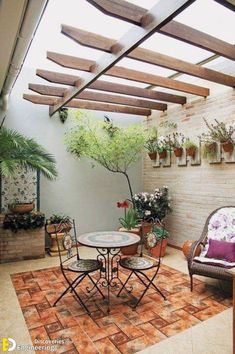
(138, 265)
(83, 267)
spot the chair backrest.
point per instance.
(66, 239)
(221, 225)
(155, 240)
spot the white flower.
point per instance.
(147, 212)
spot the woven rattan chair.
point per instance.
(138, 265)
(83, 267)
(207, 270)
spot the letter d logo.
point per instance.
(5, 344)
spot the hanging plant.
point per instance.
(63, 114)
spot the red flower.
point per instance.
(123, 204)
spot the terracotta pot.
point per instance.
(186, 248)
(178, 151)
(132, 249)
(54, 249)
(152, 155)
(227, 147)
(52, 228)
(191, 151)
(163, 154)
(22, 208)
(146, 227)
(155, 251)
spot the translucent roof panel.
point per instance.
(204, 15)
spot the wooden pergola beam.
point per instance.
(120, 9)
(230, 4)
(173, 29)
(101, 85)
(134, 75)
(82, 104)
(200, 39)
(95, 41)
(100, 97)
(154, 19)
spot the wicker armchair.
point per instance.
(207, 270)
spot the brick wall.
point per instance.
(195, 190)
(25, 244)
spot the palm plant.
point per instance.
(17, 150)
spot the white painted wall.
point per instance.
(87, 194)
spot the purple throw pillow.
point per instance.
(221, 250)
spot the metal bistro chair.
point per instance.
(138, 265)
(83, 267)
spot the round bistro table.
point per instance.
(108, 245)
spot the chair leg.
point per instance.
(123, 286)
(191, 282)
(70, 287)
(150, 283)
(96, 286)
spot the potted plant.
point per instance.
(163, 145)
(58, 223)
(191, 147)
(156, 241)
(209, 146)
(151, 207)
(20, 221)
(18, 207)
(222, 133)
(151, 144)
(177, 142)
(130, 223)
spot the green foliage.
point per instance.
(190, 144)
(130, 220)
(151, 140)
(209, 150)
(58, 218)
(26, 221)
(115, 149)
(63, 114)
(160, 232)
(168, 124)
(16, 150)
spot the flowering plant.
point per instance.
(151, 206)
(131, 218)
(162, 144)
(176, 140)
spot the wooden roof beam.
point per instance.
(200, 39)
(148, 56)
(173, 29)
(82, 104)
(230, 4)
(100, 97)
(101, 85)
(135, 75)
(155, 18)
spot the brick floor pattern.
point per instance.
(124, 330)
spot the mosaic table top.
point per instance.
(108, 239)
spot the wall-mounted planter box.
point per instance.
(165, 162)
(229, 157)
(217, 158)
(24, 244)
(196, 159)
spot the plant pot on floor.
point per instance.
(155, 251)
(21, 208)
(152, 155)
(63, 227)
(132, 249)
(162, 154)
(227, 146)
(54, 250)
(178, 151)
